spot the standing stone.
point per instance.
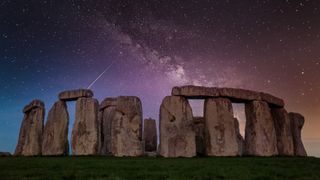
(106, 114)
(220, 128)
(150, 135)
(55, 135)
(122, 126)
(126, 127)
(297, 122)
(283, 131)
(30, 137)
(86, 128)
(177, 137)
(260, 136)
(200, 135)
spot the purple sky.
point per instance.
(263, 45)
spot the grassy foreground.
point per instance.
(158, 168)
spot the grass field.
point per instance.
(158, 168)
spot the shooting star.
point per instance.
(107, 68)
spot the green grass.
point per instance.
(158, 168)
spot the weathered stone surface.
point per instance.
(283, 131)
(122, 126)
(196, 92)
(73, 95)
(30, 137)
(260, 136)
(106, 114)
(239, 95)
(177, 137)
(272, 100)
(297, 122)
(86, 128)
(126, 127)
(200, 135)
(108, 102)
(150, 135)
(34, 104)
(55, 135)
(220, 128)
(235, 95)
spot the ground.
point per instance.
(158, 168)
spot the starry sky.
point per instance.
(147, 47)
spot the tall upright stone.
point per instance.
(150, 135)
(177, 137)
(126, 127)
(122, 126)
(107, 112)
(297, 122)
(86, 128)
(260, 136)
(30, 137)
(200, 135)
(55, 135)
(283, 131)
(220, 128)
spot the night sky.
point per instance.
(150, 46)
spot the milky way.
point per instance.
(50, 46)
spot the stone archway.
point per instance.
(85, 137)
(30, 136)
(113, 127)
(268, 131)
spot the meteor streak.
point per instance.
(107, 68)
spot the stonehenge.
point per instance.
(220, 128)
(74, 95)
(86, 129)
(115, 127)
(260, 133)
(269, 131)
(107, 111)
(177, 137)
(121, 126)
(283, 131)
(235, 95)
(55, 135)
(30, 136)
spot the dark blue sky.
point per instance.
(49, 46)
